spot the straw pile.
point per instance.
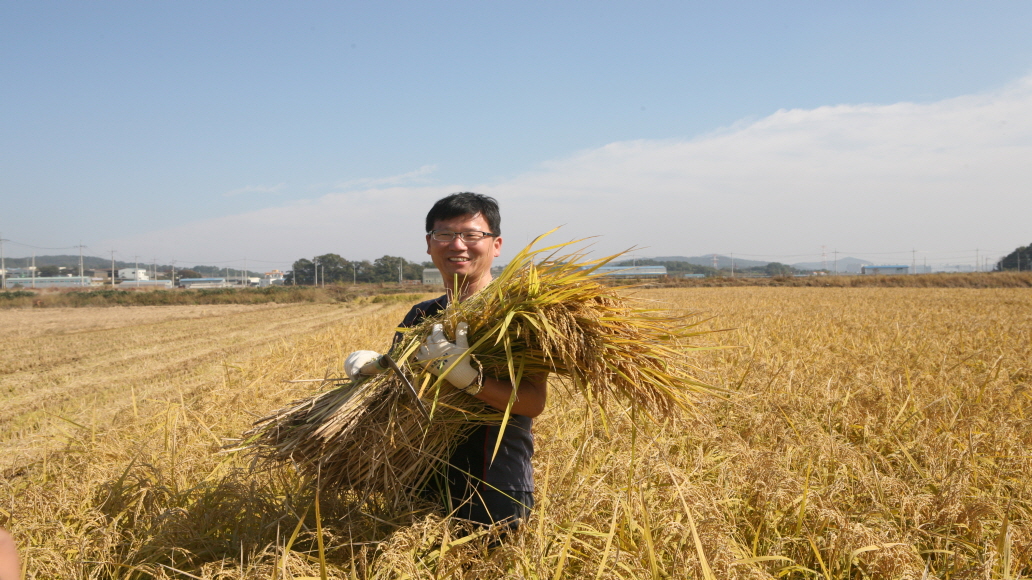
(551, 315)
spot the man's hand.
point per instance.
(438, 355)
(362, 362)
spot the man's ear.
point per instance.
(498, 246)
(428, 244)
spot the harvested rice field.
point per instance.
(864, 433)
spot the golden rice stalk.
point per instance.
(552, 315)
(365, 436)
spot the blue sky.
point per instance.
(209, 132)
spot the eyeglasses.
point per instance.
(470, 237)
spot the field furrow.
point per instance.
(88, 375)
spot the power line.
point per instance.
(39, 247)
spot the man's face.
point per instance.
(470, 262)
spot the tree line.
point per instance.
(333, 269)
(1020, 259)
(680, 268)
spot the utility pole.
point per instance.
(174, 273)
(33, 268)
(136, 272)
(3, 265)
(247, 275)
(732, 264)
(112, 268)
(836, 261)
(714, 261)
(824, 258)
(80, 264)
(354, 274)
(401, 265)
(315, 280)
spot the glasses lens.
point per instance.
(442, 236)
(472, 236)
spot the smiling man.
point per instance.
(463, 237)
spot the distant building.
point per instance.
(146, 284)
(632, 271)
(273, 278)
(133, 274)
(884, 270)
(203, 283)
(50, 282)
(432, 276)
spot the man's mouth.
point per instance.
(458, 259)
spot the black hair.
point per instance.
(463, 204)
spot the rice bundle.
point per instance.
(554, 316)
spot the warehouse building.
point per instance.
(203, 283)
(146, 284)
(632, 271)
(50, 282)
(133, 274)
(432, 276)
(884, 270)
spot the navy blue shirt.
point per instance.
(511, 469)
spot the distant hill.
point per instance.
(88, 262)
(845, 264)
(722, 261)
(95, 263)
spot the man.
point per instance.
(463, 238)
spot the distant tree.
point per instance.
(413, 271)
(187, 273)
(385, 269)
(775, 269)
(48, 271)
(303, 272)
(333, 269)
(1020, 259)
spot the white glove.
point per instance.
(437, 355)
(353, 365)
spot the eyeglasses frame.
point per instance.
(461, 236)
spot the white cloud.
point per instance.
(946, 176)
(418, 176)
(255, 189)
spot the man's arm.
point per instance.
(530, 396)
